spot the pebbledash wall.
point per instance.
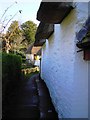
(63, 68)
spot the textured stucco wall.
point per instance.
(64, 70)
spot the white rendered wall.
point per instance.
(64, 70)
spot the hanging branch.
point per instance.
(11, 19)
(7, 10)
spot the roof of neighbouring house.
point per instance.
(53, 12)
(32, 49)
(35, 50)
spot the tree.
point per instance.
(18, 38)
(29, 30)
(14, 32)
(13, 37)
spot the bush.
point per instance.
(11, 66)
(11, 71)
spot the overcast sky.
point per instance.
(29, 10)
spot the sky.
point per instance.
(29, 10)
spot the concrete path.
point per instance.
(31, 100)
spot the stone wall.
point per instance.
(64, 70)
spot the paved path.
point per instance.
(31, 100)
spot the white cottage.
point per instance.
(31, 52)
(65, 65)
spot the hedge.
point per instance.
(11, 72)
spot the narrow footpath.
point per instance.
(32, 101)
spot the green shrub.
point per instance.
(11, 66)
(11, 71)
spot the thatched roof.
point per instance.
(39, 42)
(50, 13)
(33, 50)
(53, 12)
(44, 31)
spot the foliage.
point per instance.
(18, 38)
(28, 70)
(11, 65)
(23, 56)
(14, 36)
(11, 71)
(29, 30)
(14, 31)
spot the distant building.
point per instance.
(33, 55)
(64, 34)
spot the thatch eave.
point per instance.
(53, 12)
